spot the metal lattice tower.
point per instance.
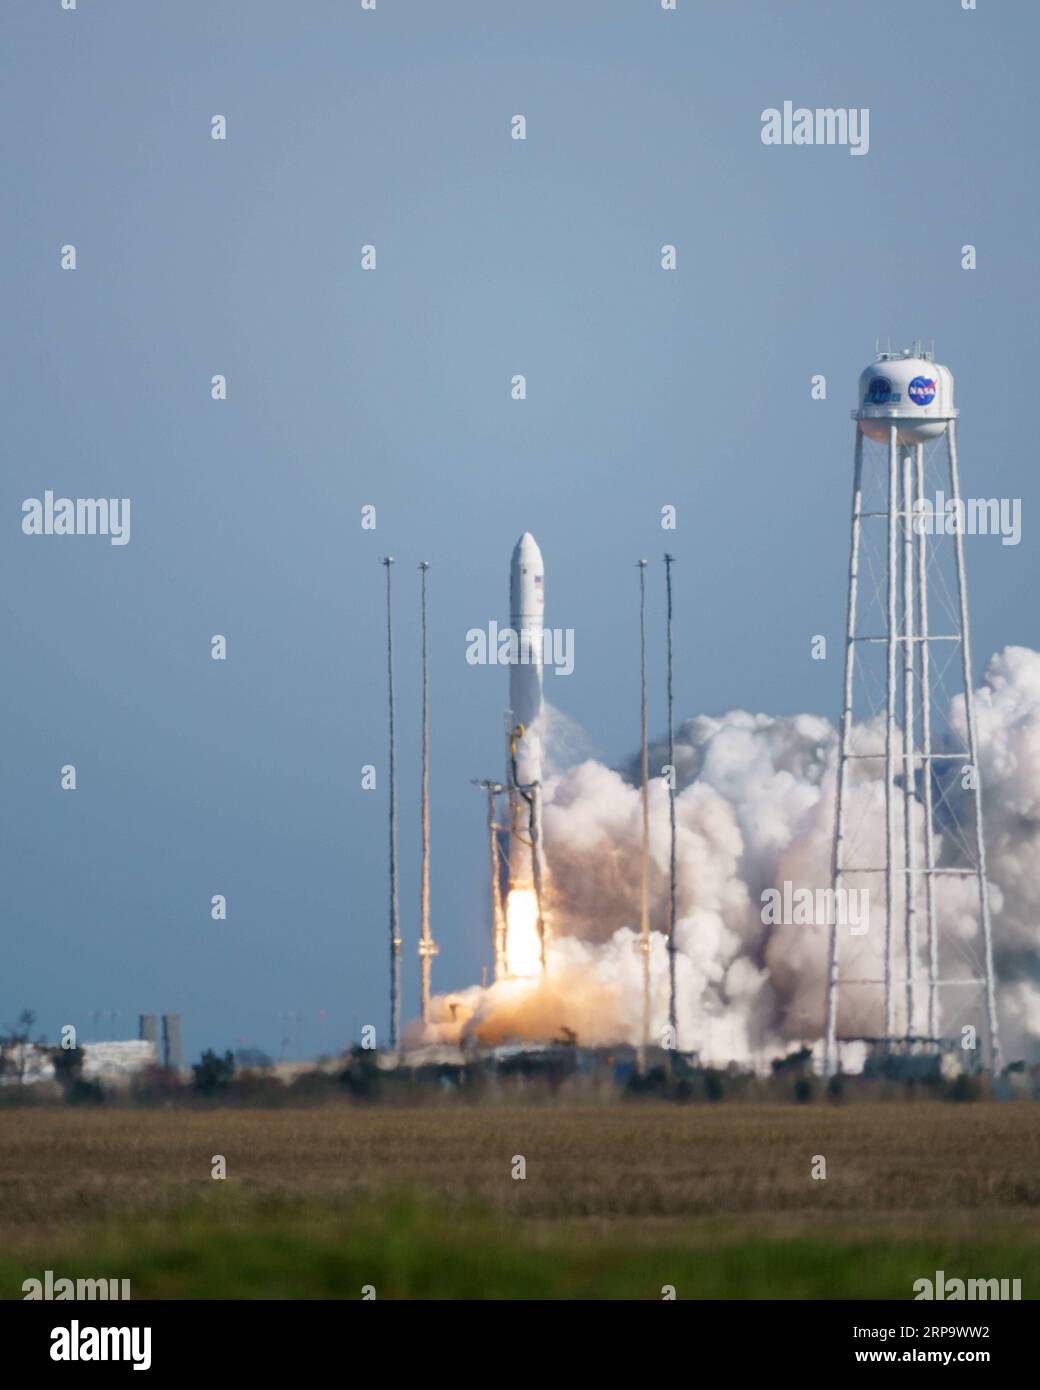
(673, 1020)
(908, 617)
(427, 946)
(395, 914)
(644, 896)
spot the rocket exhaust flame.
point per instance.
(523, 943)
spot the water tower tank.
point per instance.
(907, 388)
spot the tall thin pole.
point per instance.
(395, 924)
(427, 945)
(673, 1022)
(973, 755)
(838, 857)
(498, 927)
(926, 758)
(644, 935)
(909, 773)
(890, 726)
(498, 920)
(537, 868)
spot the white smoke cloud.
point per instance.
(755, 808)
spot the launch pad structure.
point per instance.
(501, 837)
(516, 853)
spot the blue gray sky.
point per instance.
(645, 388)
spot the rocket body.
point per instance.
(524, 753)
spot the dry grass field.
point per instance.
(616, 1201)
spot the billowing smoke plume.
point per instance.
(755, 811)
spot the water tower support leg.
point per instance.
(890, 726)
(909, 770)
(926, 758)
(830, 1057)
(995, 1058)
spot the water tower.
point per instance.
(908, 823)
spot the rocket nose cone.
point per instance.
(526, 579)
(526, 549)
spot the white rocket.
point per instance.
(524, 737)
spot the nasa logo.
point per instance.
(921, 390)
(879, 391)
